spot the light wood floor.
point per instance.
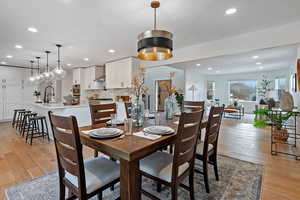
(21, 162)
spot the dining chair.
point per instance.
(100, 114)
(171, 170)
(193, 105)
(207, 150)
(128, 106)
(83, 179)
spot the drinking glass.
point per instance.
(128, 126)
(113, 120)
(157, 118)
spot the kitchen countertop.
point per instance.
(51, 106)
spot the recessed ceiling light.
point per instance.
(255, 57)
(230, 11)
(3, 63)
(261, 67)
(198, 64)
(9, 56)
(17, 46)
(86, 59)
(111, 51)
(32, 29)
(258, 63)
(218, 71)
(210, 68)
(69, 64)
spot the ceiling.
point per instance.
(262, 60)
(89, 28)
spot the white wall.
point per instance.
(222, 89)
(67, 84)
(162, 73)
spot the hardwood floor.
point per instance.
(21, 162)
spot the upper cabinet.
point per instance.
(119, 74)
(90, 78)
(77, 75)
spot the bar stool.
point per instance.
(20, 119)
(15, 116)
(26, 127)
(39, 128)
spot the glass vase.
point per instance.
(169, 107)
(138, 111)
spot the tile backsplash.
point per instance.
(109, 93)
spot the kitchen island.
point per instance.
(81, 112)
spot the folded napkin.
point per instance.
(147, 136)
(149, 115)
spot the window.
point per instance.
(280, 86)
(243, 90)
(211, 89)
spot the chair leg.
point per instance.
(191, 184)
(158, 187)
(174, 192)
(99, 195)
(62, 192)
(205, 174)
(214, 159)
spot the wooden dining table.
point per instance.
(129, 150)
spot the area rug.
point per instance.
(238, 180)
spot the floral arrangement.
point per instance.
(139, 83)
(172, 90)
(36, 93)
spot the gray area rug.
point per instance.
(238, 180)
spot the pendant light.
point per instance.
(47, 73)
(31, 78)
(155, 44)
(59, 71)
(38, 76)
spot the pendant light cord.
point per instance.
(38, 62)
(47, 52)
(31, 68)
(154, 18)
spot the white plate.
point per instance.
(105, 132)
(158, 130)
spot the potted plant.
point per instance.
(277, 119)
(179, 96)
(37, 95)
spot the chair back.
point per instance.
(193, 105)
(213, 128)
(101, 113)
(68, 150)
(186, 141)
(128, 107)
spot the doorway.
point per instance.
(161, 93)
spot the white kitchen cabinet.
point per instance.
(119, 74)
(15, 91)
(77, 75)
(93, 78)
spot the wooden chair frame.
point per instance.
(211, 138)
(69, 158)
(185, 150)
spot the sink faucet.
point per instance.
(48, 93)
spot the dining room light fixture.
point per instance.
(111, 51)
(198, 64)
(59, 71)
(17, 46)
(255, 57)
(155, 44)
(86, 59)
(47, 74)
(32, 29)
(31, 78)
(230, 11)
(9, 56)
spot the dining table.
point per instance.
(130, 149)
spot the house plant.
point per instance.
(277, 119)
(37, 95)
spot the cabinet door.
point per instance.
(13, 97)
(76, 76)
(112, 78)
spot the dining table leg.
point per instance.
(129, 180)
